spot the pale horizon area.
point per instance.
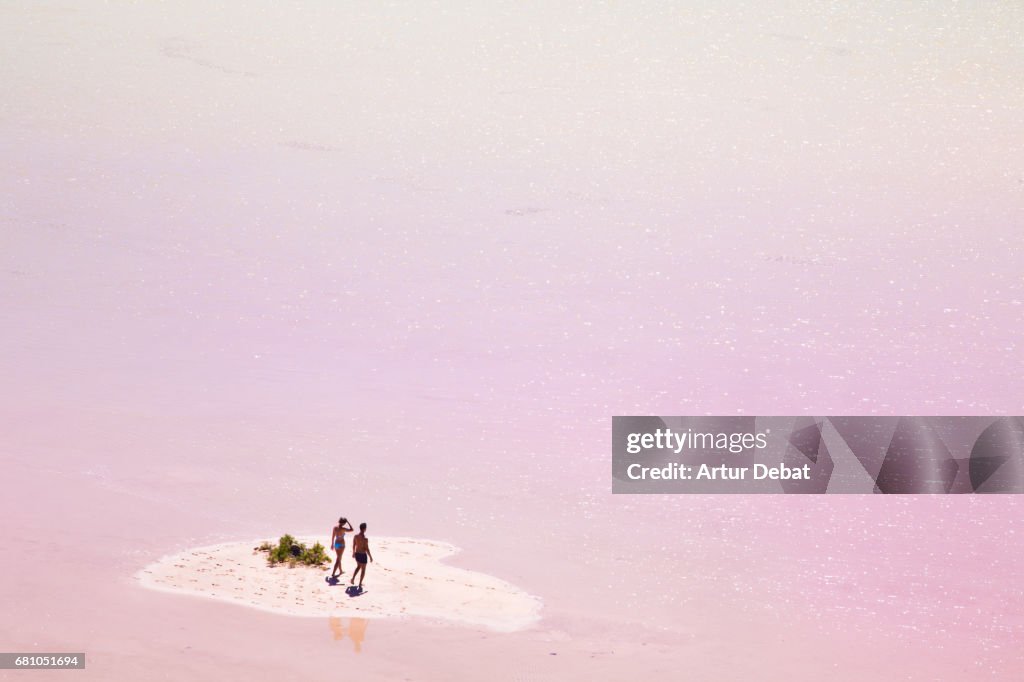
(262, 266)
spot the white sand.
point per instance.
(406, 579)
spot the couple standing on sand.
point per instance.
(360, 549)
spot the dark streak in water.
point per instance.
(526, 210)
(311, 146)
(179, 48)
(797, 260)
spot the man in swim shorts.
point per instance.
(361, 552)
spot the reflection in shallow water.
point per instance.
(356, 630)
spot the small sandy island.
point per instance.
(407, 579)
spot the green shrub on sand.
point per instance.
(291, 552)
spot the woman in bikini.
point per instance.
(338, 543)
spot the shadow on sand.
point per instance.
(351, 590)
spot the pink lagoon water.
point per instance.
(262, 267)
